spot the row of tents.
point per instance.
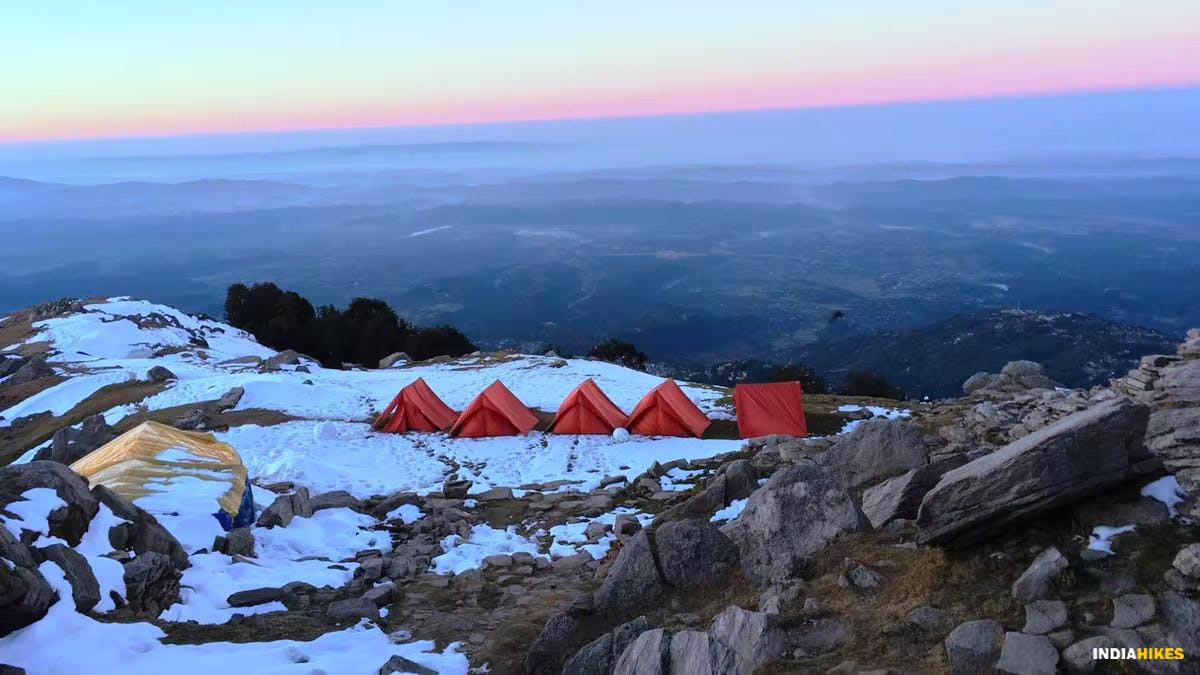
(154, 458)
(762, 409)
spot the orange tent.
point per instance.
(766, 409)
(587, 410)
(667, 411)
(415, 408)
(494, 412)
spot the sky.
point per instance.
(120, 68)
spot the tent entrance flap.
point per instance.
(770, 409)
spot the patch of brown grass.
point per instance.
(962, 587)
(18, 440)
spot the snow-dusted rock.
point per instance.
(791, 518)
(1061, 463)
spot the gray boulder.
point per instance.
(980, 380)
(456, 489)
(1181, 619)
(398, 664)
(877, 447)
(1028, 655)
(752, 637)
(238, 541)
(334, 500)
(693, 553)
(159, 374)
(195, 419)
(1078, 657)
(690, 553)
(33, 369)
(740, 480)
(649, 654)
(25, 595)
(85, 590)
(142, 532)
(595, 658)
(69, 444)
(230, 399)
(393, 359)
(352, 610)
(67, 522)
(1132, 610)
(151, 584)
(972, 647)
(1044, 616)
(1034, 583)
(1064, 462)
(286, 507)
(694, 652)
(791, 518)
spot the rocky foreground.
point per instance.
(1013, 529)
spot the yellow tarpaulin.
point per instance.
(150, 456)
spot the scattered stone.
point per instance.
(335, 500)
(399, 664)
(695, 652)
(238, 541)
(753, 637)
(85, 590)
(194, 419)
(1187, 561)
(255, 596)
(925, 617)
(230, 399)
(494, 494)
(1028, 655)
(1034, 583)
(70, 444)
(393, 359)
(151, 584)
(141, 532)
(626, 524)
(647, 655)
(866, 578)
(159, 374)
(972, 647)
(352, 610)
(1078, 657)
(456, 489)
(33, 369)
(1132, 610)
(1044, 616)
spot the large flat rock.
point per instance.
(1059, 464)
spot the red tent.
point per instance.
(765, 409)
(667, 411)
(587, 410)
(415, 408)
(494, 412)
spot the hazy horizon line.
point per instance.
(500, 123)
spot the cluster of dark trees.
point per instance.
(619, 352)
(363, 333)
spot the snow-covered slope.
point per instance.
(325, 444)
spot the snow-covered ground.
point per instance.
(331, 447)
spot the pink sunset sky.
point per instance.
(141, 68)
